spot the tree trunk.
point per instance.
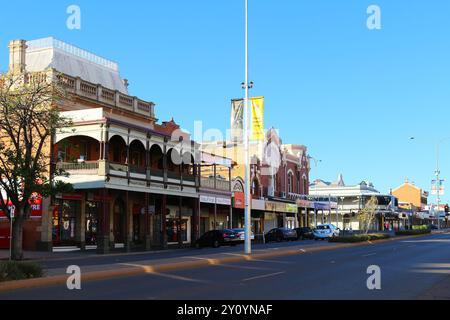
(17, 236)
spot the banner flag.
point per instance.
(237, 120)
(257, 118)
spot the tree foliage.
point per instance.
(29, 118)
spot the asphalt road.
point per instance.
(409, 269)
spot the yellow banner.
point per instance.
(257, 119)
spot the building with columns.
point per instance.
(138, 184)
(350, 200)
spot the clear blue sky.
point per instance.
(352, 95)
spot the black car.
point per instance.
(304, 233)
(281, 234)
(217, 238)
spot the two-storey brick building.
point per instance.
(138, 183)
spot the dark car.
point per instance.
(304, 233)
(217, 238)
(432, 227)
(281, 234)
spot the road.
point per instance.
(410, 269)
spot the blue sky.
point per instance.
(352, 95)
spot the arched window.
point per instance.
(290, 182)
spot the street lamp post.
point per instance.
(438, 180)
(246, 87)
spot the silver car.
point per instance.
(326, 231)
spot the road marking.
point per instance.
(369, 254)
(174, 277)
(272, 261)
(242, 267)
(264, 276)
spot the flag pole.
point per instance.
(248, 244)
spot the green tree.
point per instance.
(29, 118)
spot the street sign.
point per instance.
(12, 212)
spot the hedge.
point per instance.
(14, 270)
(360, 238)
(413, 232)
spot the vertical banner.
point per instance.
(237, 120)
(257, 119)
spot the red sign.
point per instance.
(36, 207)
(239, 200)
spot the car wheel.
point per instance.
(279, 239)
(216, 244)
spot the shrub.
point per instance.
(360, 238)
(413, 232)
(424, 227)
(13, 270)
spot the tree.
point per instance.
(368, 213)
(29, 118)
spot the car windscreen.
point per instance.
(323, 227)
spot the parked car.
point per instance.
(326, 231)
(433, 227)
(304, 233)
(241, 234)
(281, 234)
(217, 238)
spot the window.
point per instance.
(290, 182)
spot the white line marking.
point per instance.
(370, 254)
(241, 267)
(264, 276)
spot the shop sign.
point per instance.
(239, 200)
(35, 208)
(305, 204)
(258, 204)
(291, 208)
(275, 206)
(207, 199)
(223, 201)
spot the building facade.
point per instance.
(137, 183)
(351, 200)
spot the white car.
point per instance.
(241, 234)
(326, 231)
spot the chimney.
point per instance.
(17, 51)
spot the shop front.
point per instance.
(66, 227)
(178, 225)
(280, 215)
(215, 212)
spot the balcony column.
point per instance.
(195, 220)
(181, 169)
(127, 160)
(128, 223)
(165, 162)
(180, 217)
(148, 160)
(103, 242)
(163, 222)
(215, 175)
(147, 236)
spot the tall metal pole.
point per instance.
(248, 244)
(438, 187)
